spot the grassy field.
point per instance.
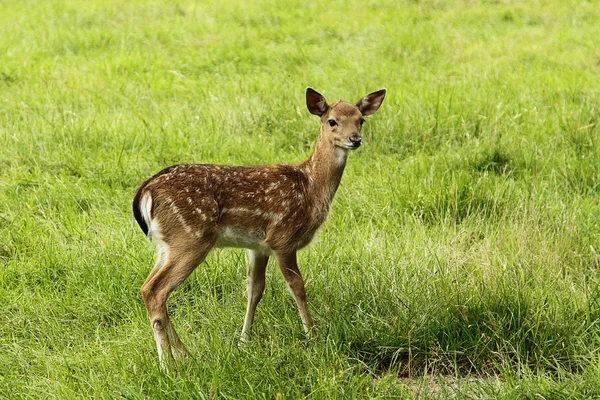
(461, 257)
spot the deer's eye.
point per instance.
(332, 123)
(362, 121)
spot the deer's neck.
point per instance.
(324, 169)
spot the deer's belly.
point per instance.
(235, 237)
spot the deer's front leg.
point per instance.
(289, 268)
(257, 266)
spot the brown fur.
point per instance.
(271, 209)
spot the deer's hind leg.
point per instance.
(162, 250)
(181, 257)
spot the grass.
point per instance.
(461, 255)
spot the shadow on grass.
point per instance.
(511, 332)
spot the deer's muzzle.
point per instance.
(355, 141)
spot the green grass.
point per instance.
(461, 256)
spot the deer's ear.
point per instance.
(371, 102)
(315, 102)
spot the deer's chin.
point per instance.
(352, 146)
(347, 145)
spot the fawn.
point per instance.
(272, 210)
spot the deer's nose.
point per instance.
(355, 140)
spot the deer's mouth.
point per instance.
(354, 142)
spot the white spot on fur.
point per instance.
(273, 216)
(272, 186)
(256, 213)
(176, 211)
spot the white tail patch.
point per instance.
(146, 211)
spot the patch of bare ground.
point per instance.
(441, 386)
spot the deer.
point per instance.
(271, 210)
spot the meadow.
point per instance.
(461, 256)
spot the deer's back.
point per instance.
(262, 207)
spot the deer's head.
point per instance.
(341, 122)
